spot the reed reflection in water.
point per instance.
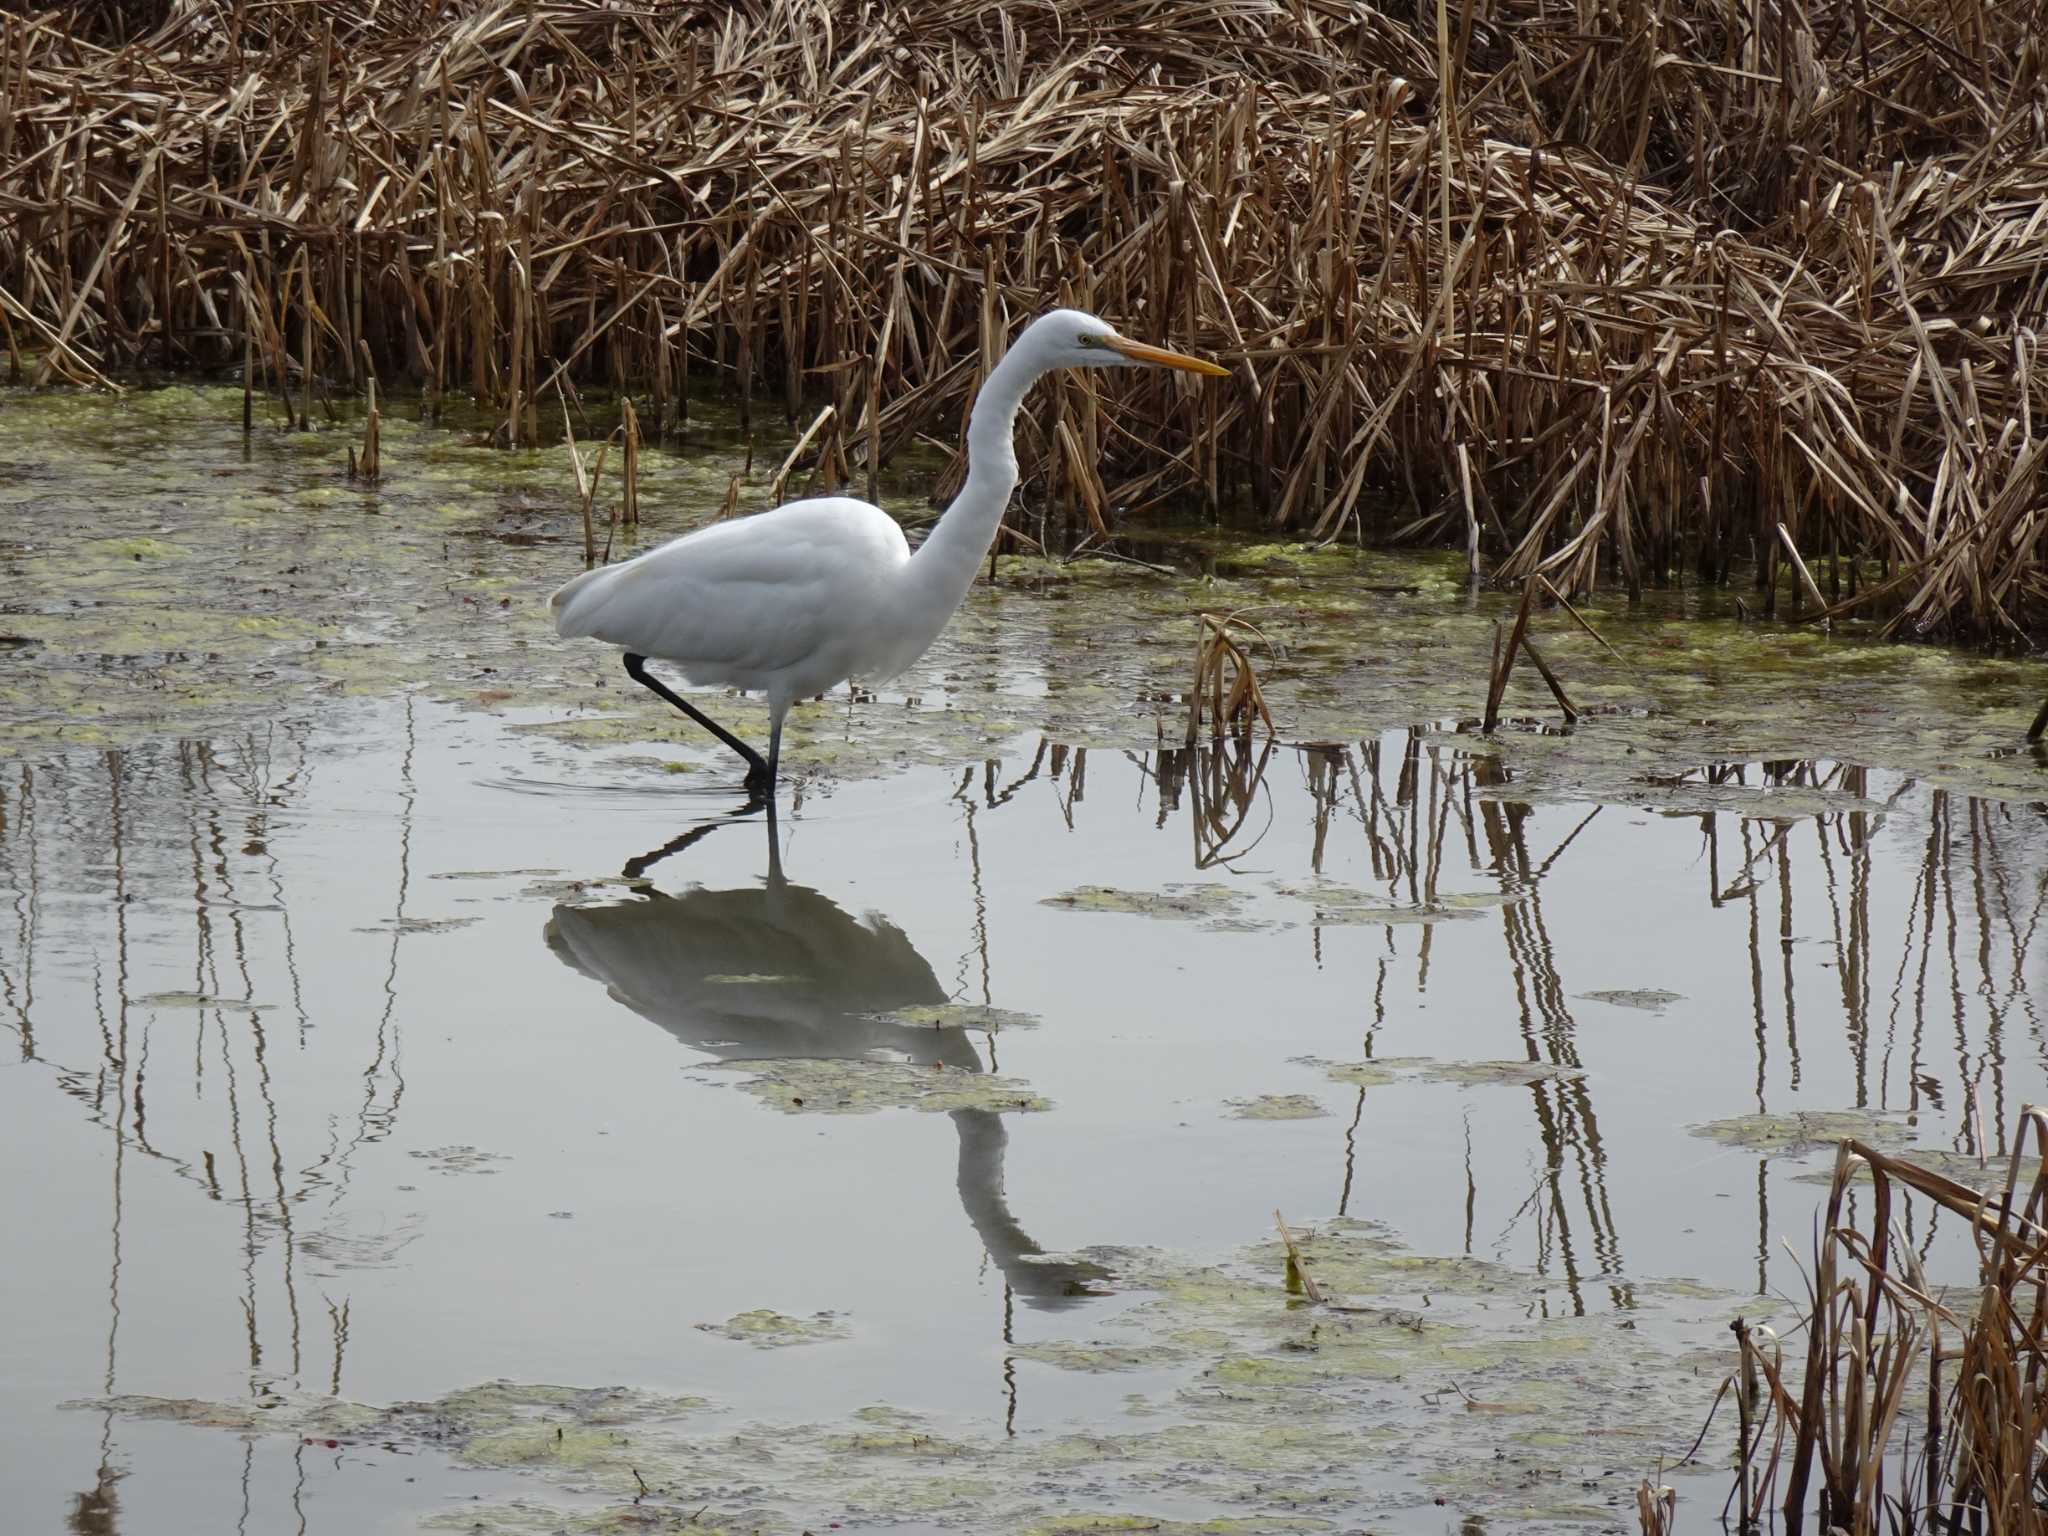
(184, 966)
(1960, 893)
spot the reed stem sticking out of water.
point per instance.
(629, 504)
(370, 465)
(1874, 1328)
(1232, 708)
(1504, 661)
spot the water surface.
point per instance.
(388, 1019)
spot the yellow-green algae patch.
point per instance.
(1986, 1175)
(1643, 999)
(1276, 1106)
(1380, 1071)
(1518, 1074)
(1422, 1381)
(1178, 903)
(765, 1328)
(1097, 1358)
(820, 1086)
(1420, 912)
(963, 1016)
(1795, 1133)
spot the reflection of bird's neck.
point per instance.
(943, 568)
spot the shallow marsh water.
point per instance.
(398, 1013)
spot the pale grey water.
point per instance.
(318, 1082)
(303, 1096)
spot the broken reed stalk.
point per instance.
(584, 489)
(1577, 617)
(1231, 708)
(248, 374)
(730, 505)
(1805, 576)
(818, 423)
(1656, 1508)
(629, 504)
(589, 505)
(1497, 684)
(1571, 710)
(370, 465)
(1615, 315)
(1297, 1270)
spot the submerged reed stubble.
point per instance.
(1614, 290)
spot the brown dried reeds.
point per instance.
(1618, 291)
(1889, 1429)
(1521, 643)
(1236, 702)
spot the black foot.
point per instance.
(760, 772)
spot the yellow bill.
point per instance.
(1159, 357)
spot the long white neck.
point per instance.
(943, 568)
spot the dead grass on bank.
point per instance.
(1610, 288)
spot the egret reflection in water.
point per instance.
(819, 983)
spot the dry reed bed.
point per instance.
(1611, 290)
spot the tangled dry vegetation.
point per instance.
(1913, 1407)
(1609, 289)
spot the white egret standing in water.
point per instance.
(795, 601)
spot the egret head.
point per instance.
(1072, 338)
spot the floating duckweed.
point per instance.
(1986, 1176)
(1276, 1106)
(1423, 1378)
(1337, 917)
(1801, 1131)
(767, 1329)
(1177, 903)
(1647, 1000)
(964, 1016)
(805, 1085)
(1518, 1074)
(200, 1000)
(1376, 1073)
(1097, 1358)
(1380, 1071)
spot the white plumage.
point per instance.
(792, 602)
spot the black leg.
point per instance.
(635, 868)
(758, 771)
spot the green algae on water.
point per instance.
(765, 1328)
(1796, 1133)
(1099, 1358)
(1644, 1000)
(836, 1086)
(1426, 1379)
(1177, 903)
(1276, 1106)
(1380, 1071)
(435, 581)
(964, 1016)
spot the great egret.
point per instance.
(795, 601)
